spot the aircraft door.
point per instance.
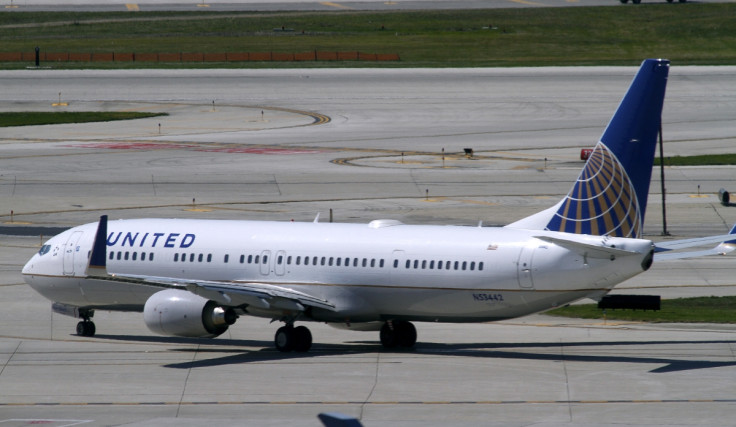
(265, 263)
(69, 250)
(525, 270)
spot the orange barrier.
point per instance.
(102, 57)
(169, 57)
(145, 57)
(197, 57)
(10, 56)
(259, 56)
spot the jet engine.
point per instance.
(184, 314)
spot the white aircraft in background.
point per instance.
(193, 278)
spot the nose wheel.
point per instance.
(86, 328)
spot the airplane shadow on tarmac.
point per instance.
(240, 355)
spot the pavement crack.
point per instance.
(373, 388)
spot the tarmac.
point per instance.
(357, 145)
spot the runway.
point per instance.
(361, 144)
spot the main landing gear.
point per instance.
(398, 333)
(289, 338)
(86, 328)
(394, 334)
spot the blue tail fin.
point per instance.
(610, 195)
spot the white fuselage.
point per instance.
(382, 270)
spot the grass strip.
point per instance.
(688, 33)
(704, 160)
(52, 118)
(681, 310)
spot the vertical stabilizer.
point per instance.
(610, 195)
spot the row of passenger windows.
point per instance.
(441, 265)
(132, 256)
(309, 260)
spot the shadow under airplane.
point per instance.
(239, 355)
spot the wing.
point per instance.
(228, 293)
(667, 250)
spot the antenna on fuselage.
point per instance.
(316, 218)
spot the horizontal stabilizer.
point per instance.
(586, 249)
(666, 250)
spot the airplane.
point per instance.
(194, 278)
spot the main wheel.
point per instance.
(398, 333)
(86, 328)
(284, 338)
(389, 336)
(407, 334)
(302, 339)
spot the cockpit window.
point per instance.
(44, 249)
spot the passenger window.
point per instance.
(337, 261)
(480, 266)
(126, 255)
(200, 257)
(424, 264)
(323, 260)
(472, 265)
(416, 264)
(365, 262)
(330, 263)
(256, 259)
(265, 259)
(150, 256)
(209, 257)
(279, 259)
(439, 265)
(355, 262)
(191, 257)
(112, 255)
(381, 263)
(288, 260)
(226, 258)
(143, 256)
(431, 265)
(373, 262)
(457, 264)
(298, 260)
(250, 259)
(408, 263)
(465, 264)
(396, 263)
(306, 260)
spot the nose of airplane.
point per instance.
(34, 265)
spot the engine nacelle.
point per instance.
(184, 314)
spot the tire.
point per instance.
(302, 339)
(389, 336)
(407, 334)
(82, 329)
(284, 339)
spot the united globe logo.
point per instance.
(602, 201)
